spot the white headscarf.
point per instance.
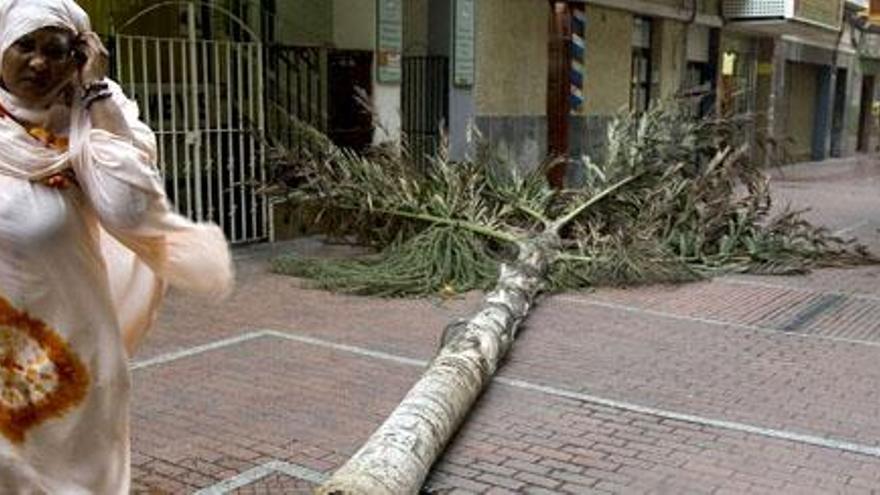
(21, 158)
(21, 17)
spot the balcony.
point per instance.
(792, 17)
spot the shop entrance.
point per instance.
(838, 117)
(866, 115)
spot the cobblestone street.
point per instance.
(741, 384)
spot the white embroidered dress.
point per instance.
(82, 273)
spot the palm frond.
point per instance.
(675, 199)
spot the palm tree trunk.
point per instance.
(397, 458)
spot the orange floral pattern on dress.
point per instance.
(40, 376)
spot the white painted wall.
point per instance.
(386, 99)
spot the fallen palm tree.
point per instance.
(674, 200)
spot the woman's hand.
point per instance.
(96, 62)
(61, 180)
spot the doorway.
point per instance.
(838, 116)
(865, 115)
(350, 78)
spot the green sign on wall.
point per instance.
(825, 12)
(389, 46)
(463, 44)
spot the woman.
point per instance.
(87, 245)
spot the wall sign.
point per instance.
(389, 40)
(463, 49)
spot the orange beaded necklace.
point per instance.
(41, 134)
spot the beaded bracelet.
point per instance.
(94, 87)
(91, 98)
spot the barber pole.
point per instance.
(578, 54)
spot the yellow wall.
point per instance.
(668, 3)
(308, 22)
(512, 57)
(354, 24)
(105, 13)
(99, 12)
(670, 51)
(608, 64)
(169, 20)
(802, 85)
(608, 60)
(415, 27)
(709, 7)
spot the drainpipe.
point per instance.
(688, 23)
(826, 127)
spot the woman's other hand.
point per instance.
(61, 180)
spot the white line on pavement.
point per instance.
(260, 472)
(850, 228)
(300, 472)
(690, 418)
(708, 321)
(220, 344)
(174, 356)
(238, 481)
(813, 440)
(360, 351)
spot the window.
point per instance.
(700, 72)
(698, 88)
(640, 88)
(736, 85)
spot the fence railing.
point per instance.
(203, 100)
(425, 103)
(296, 89)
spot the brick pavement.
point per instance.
(774, 380)
(211, 417)
(516, 440)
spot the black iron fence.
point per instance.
(296, 89)
(425, 103)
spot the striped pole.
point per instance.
(578, 54)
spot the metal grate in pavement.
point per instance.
(785, 309)
(813, 313)
(815, 309)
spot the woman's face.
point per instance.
(39, 64)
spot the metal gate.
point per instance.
(204, 100)
(296, 88)
(425, 102)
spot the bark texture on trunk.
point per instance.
(398, 456)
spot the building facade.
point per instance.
(536, 78)
(805, 75)
(815, 82)
(633, 53)
(802, 74)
